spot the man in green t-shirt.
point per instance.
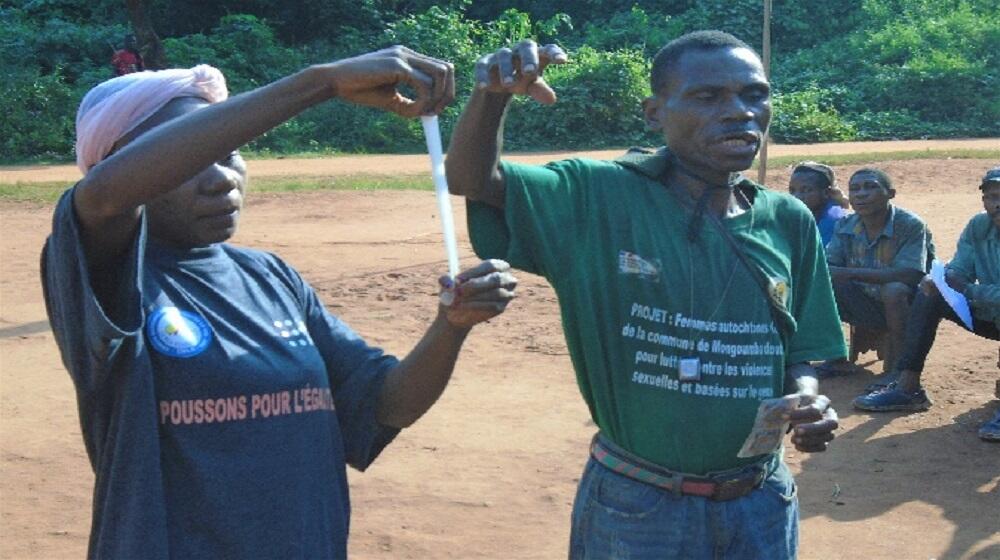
(688, 294)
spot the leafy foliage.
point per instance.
(867, 69)
(599, 104)
(808, 116)
(634, 29)
(40, 121)
(243, 47)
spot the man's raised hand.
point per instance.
(479, 293)
(374, 79)
(518, 70)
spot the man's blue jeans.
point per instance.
(615, 517)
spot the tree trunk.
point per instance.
(150, 46)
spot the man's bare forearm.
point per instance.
(877, 275)
(474, 153)
(169, 155)
(804, 377)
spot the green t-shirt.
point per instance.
(636, 297)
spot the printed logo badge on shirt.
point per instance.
(294, 332)
(176, 333)
(631, 263)
(778, 289)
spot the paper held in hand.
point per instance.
(432, 132)
(769, 427)
(956, 300)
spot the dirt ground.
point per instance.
(490, 472)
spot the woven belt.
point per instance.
(720, 488)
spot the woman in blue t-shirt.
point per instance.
(814, 184)
(219, 400)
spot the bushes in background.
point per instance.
(856, 69)
(808, 116)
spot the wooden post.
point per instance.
(153, 55)
(766, 59)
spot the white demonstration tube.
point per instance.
(433, 134)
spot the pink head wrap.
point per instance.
(115, 107)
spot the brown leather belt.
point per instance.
(719, 488)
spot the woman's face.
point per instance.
(810, 188)
(206, 208)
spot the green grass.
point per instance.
(33, 192)
(874, 157)
(247, 154)
(49, 192)
(341, 183)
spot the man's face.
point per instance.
(991, 202)
(810, 188)
(206, 208)
(867, 195)
(713, 110)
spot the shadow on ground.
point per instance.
(878, 458)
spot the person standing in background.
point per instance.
(127, 60)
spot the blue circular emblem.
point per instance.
(176, 333)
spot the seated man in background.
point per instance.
(975, 272)
(876, 256)
(815, 185)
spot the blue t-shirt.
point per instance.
(219, 400)
(827, 220)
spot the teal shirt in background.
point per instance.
(977, 260)
(636, 297)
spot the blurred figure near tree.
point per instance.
(127, 59)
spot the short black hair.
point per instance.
(668, 56)
(882, 176)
